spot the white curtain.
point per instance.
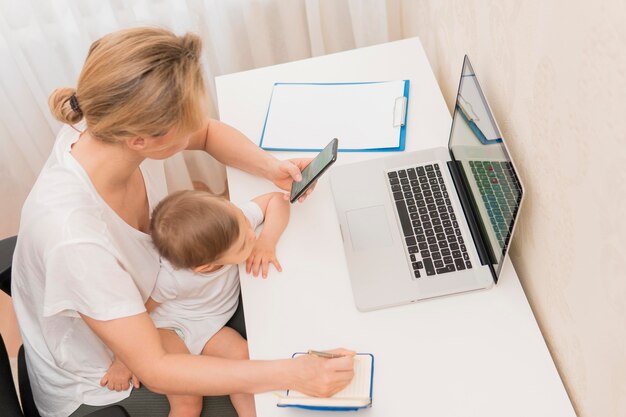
(43, 44)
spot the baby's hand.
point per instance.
(118, 377)
(262, 255)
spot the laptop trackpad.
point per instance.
(368, 228)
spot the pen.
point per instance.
(326, 355)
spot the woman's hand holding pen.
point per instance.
(323, 377)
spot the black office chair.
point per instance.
(10, 405)
(7, 247)
(8, 395)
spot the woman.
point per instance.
(84, 264)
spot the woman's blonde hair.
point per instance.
(137, 82)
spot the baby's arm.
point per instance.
(276, 212)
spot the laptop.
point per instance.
(434, 222)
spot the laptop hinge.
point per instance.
(472, 221)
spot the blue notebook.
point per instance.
(357, 395)
(369, 116)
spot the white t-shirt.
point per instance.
(198, 305)
(75, 254)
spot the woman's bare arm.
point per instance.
(233, 148)
(135, 341)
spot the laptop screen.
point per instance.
(493, 187)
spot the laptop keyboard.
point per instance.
(500, 192)
(431, 231)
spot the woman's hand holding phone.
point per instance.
(288, 171)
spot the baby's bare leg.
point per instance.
(180, 405)
(227, 343)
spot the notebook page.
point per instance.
(308, 116)
(359, 387)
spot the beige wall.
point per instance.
(555, 75)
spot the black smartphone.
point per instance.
(314, 170)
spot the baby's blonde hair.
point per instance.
(137, 82)
(191, 228)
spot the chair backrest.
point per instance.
(8, 396)
(26, 392)
(7, 247)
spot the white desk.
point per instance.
(478, 354)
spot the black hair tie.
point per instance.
(74, 104)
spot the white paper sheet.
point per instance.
(308, 116)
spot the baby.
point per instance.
(201, 240)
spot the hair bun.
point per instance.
(61, 108)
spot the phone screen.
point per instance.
(316, 168)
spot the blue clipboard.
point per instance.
(476, 130)
(399, 109)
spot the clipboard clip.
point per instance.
(399, 111)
